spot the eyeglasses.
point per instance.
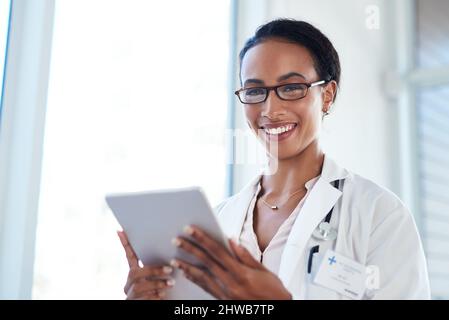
(289, 92)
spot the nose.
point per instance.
(272, 107)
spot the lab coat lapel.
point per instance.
(233, 214)
(319, 202)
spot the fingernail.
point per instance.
(176, 242)
(174, 263)
(170, 282)
(188, 230)
(167, 269)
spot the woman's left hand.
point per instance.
(225, 276)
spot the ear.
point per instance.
(328, 94)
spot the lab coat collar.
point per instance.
(320, 200)
(233, 213)
(332, 171)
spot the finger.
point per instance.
(161, 294)
(201, 278)
(133, 262)
(217, 250)
(209, 262)
(155, 295)
(244, 256)
(143, 287)
(146, 273)
(148, 295)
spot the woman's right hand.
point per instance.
(147, 282)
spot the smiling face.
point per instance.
(286, 128)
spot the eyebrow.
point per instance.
(281, 78)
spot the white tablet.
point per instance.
(152, 219)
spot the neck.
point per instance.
(289, 175)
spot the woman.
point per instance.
(304, 204)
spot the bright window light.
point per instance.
(137, 100)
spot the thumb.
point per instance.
(244, 256)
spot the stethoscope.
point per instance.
(324, 232)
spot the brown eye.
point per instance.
(254, 91)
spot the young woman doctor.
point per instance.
(287, 218)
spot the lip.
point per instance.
(282, 136)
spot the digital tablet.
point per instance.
(152, 219)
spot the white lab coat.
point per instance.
(374, 228)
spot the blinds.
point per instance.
(433, 124)
(433, 141)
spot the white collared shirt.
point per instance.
(271, 256)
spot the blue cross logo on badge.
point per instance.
(332, 260)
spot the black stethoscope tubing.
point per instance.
(316, 248)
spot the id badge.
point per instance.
(342, 275)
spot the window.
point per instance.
(432, 123)
(137, 100)
(4, 26)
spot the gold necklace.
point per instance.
(276, 207)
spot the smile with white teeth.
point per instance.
(279, 130)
